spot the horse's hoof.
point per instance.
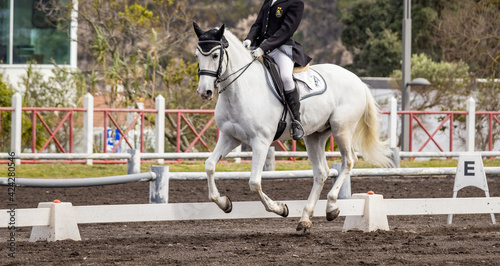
(330, 216)
(285, 210)
(304, 226)
(229, 205)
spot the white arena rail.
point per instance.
(149, 176)
(79, 182)
(205, 155)
(57, 221)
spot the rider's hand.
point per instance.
(257, 53)
(247, 43)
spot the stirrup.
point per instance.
(297, 131)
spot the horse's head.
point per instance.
(212, 62)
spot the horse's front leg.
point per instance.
(255, 182)
(222, 148)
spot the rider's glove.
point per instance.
(247, 43)
(257, 53)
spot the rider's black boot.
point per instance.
(292, 98)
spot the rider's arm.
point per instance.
(292, 21)
(256, 28)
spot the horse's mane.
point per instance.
(235, 43)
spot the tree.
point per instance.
(449, 83)
(6, 93)
(452, 84)
(5, 117)
(135, 52)
(476, 41)
(373, 31)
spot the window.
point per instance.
(4, 30)
(34, 37)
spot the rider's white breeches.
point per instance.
(282, 56)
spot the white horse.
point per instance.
(247, 111)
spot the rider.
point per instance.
(272, 33)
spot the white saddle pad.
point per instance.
(309, 83)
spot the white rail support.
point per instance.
(16, 130)
(393, 122)
(134, 163)
(470, 125)
(63, 224)
(345, 189)
(160, 126)
(158, 188)
(374, 215)
(88, 126)
(236, 150)
(395, 157)
(270, 164)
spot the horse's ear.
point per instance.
(197, 29)
(220, 32)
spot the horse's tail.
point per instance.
(366, 135)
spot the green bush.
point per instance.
(5, 123)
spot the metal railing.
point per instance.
(198, 133)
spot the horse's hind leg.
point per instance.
(224, 146)
(343, 137)
(315, 144)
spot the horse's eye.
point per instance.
(215, 56)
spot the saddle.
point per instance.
(308, 82)
(274, 71)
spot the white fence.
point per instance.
(134, 158)
(57, 221)
(160, 133)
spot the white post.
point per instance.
(160, 126)
(406, 76)
(134, 163)
(345, 189)
(16, 134)
(471, 124)
(88, 125)
(393, 122)
(158, 188)
(238, 159)
(74, 36)
(270, 164)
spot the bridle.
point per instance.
(222, 46)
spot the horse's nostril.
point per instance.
(209, 94)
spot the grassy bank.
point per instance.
(64, 170)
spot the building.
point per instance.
(26, 34)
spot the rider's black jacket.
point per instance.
(275, 26)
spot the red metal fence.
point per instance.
(68, 118)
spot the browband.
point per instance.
(207, 46)
(209, 52)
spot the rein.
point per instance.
(243, 69)
(217, 74)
